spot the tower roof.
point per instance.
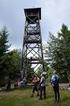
(33, 11)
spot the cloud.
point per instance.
(54, 14)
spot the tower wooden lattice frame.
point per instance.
(32, 52)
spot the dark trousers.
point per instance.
(56, 92)
(42, 92)
(35, 88)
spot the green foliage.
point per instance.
(12, 64)
(9, 60)
(3, 41)
(3, 51)
(59, 52)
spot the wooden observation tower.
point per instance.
(32, 52)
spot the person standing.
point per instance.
(55, 85)
(42, 87)
(35, 82)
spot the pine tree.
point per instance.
(59, 52)
(3, 50)
(3, 41)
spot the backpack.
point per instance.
(55, 80)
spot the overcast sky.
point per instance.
(54, 14)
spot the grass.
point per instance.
(21, 97)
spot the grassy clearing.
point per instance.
(21, 97)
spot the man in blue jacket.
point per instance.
(55, 84)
